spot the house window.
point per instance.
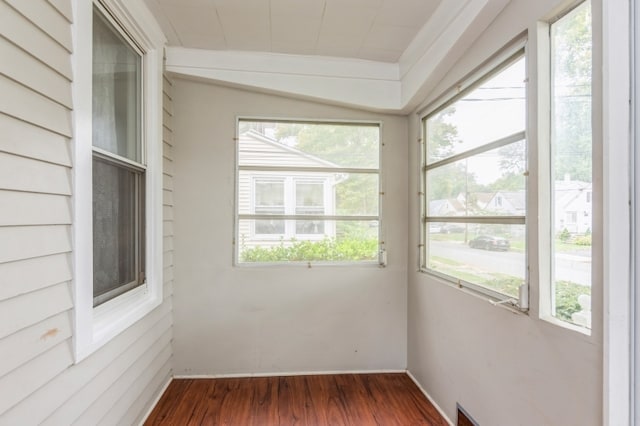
(571, 165)
(117, 153)
(475, 147)
(118, 164)
(269, 200)
(308, 191)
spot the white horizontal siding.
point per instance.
(31, 308)
(24, 345)
(27, 208)
(46, 18)
(29, 71)
(33, 108)
(25, 275)
(22, 32)
(33, 241)
(39, 381)
(27, 140)
(64, 8)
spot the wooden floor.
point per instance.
(345, 399)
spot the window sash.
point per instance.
(470, 153)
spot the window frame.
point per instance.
(382, 255)
(515, 50)
(546, 203)
(94, 327)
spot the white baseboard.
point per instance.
(281, 374)
(442, 413)
(155, 401)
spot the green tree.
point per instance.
(572, 69)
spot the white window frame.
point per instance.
(382, 254)
(94, 327)
(547, 210)
(289, 184)
(495, 64)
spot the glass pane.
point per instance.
(342, 194)
(341, 241)
(493, 110)
(492, 256)
(488, 184)
(116, 230)
(308, 144)
(269, 196)
(309, 198)
(116, 92)
(571, 147)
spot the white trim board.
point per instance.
(155, 401)
(283, 374)
(440, 410)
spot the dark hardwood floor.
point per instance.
(344, 399)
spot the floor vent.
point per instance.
(464, 419)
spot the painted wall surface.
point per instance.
(245, 320)
(503, 368)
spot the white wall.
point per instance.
(241, 320)
(39, 381)
(503, 368)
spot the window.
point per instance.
(118, 164)
(307, 191)
(474, 180)
(117, 91)
(571, 165)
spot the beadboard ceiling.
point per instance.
(378, 30)
(383, 55)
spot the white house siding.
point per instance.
(39, 382)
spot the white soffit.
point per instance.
(377, 85)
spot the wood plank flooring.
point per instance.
(343, 399)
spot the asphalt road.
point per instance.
(568, 267)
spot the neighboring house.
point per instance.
(282, 192)
(506, 202)
(573, 206)
(447, 207)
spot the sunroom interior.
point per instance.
(316, 187)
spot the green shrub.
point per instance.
(582, 240)
(564, 235)
(328, 249)
(567, 294)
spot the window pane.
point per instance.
(116, 92)
(308, 144)
(488, 184)
(339, 241)
(493, 110)
(492, 256)
(571, 147)
(116, 230)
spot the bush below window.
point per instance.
(328, 249)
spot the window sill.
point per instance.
(499, 302)
(114, 317)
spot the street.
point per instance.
(568, 267)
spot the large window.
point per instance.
(117, 89)
(307, 191)
(118, 164)
(474, 180)
(571, 222)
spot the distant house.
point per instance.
(284, 191)
(506, 202)
(573, 206)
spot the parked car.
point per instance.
(488, 242)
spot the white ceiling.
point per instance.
(382, 55)
(377, 30)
